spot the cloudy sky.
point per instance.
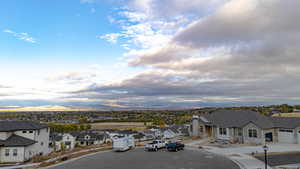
(149, 53)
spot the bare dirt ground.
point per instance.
(119, 125)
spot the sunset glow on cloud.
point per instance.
(140, 54)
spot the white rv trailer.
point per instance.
(123, 143)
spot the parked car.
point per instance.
(123, 143)
(155, 145)
(175, 146)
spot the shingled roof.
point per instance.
(16, 141)
(20, 125)
(238, 118)
(80, 136)
(286, 122)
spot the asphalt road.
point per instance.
(140, 159)
(282, 159)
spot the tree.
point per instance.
(162, 124)
(88, 127)
(62, 146)
(83, 120)
(81, 127)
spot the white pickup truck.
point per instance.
(155, 145)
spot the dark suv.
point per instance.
(176, 146)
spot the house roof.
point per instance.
(20, 125)
(286, 122)
(15, 140)
(81, 136)
(56, 136)
(127, 132)
(139, 136)
(238, 118)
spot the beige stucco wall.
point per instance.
(247, 139)
(195, 127)
(11, 158)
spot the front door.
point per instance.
(208, 129)
(269, 137)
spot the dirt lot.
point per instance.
(119, 125)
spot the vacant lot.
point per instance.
(119, 125)
(287, 115)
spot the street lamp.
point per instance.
(265, 147)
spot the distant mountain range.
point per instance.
(42, 108)
(103, 107)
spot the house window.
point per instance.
(24, 131)
(42, 143)
(286, 130)
(240, 132)
(6, 152)
(15, 152)
(82, 142)
(30, 131)
(222, 131)
(201, 129)
(252, 133)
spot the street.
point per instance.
(140, 159)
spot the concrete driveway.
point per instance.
(140, 159)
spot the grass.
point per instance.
(287, 115)
(277, 153)
(118, 125)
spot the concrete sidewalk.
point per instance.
(255, 149)
(241, 155)
(197, 143)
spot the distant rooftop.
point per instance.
(20, 125)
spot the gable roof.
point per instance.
(16, 141)
(20, 125)
(56, 136)
(238, 118)
(81, 136)
(286, 122)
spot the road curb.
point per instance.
(74, 159)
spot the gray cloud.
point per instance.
(247, 52)
(167, 9)
(243, 21)
(4, 86)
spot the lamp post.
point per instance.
(265, 147)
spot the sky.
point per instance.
(149, 53)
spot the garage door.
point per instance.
(286, 136)
(298, 137)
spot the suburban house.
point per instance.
(168, 133)
(245, 126)
(88, 138)
(180, 130)
(22, 140)
(150, 135)
(140, 137)
(62, 139)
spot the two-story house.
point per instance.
(22, 140)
